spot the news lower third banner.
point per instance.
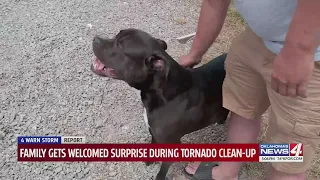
(74, 148)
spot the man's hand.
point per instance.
(211, 19)
(292, 70)
(189, 61)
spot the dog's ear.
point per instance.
(155, 63)
(162, 43)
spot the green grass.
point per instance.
(234, 16)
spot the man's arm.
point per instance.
(304, 31)
(211, 19)
(293, 68)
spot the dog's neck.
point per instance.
(177, 81)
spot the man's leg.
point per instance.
(240, 130)
(245, 95)
(294, 120)
(285, 176)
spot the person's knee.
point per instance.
(237, 117)
(242, 130)
(280, 174)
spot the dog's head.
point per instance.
(132, 55)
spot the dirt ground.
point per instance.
(47, 88)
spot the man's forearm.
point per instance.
(212, 16)
(304, 31)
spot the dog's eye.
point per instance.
(118, 44)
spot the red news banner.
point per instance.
(138, 152)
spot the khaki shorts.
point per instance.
(247, 92)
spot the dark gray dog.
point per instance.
(177, 101)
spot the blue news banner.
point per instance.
(281, 153)
(42, 148)
(51, 140)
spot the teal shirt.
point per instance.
(269, 19)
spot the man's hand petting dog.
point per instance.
(189, 60)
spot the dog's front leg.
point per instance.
(166, 165)
(163, 170)
(153, 141)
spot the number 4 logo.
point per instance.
(296, 149)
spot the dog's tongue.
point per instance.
(98, 64)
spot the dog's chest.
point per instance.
(145, 118)
(151, 101)
(171, 113)
(188, 109)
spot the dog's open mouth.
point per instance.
(99, 68)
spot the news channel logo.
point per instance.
(51, 140)
(281, 152)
